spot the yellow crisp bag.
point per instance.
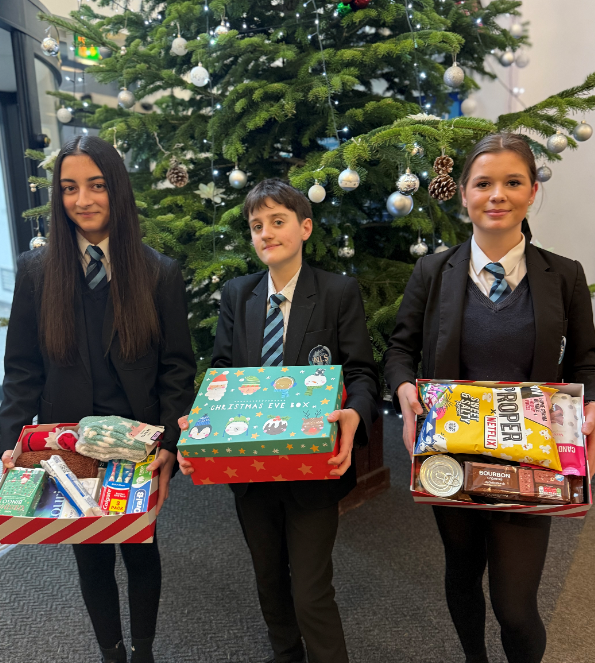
(511, 423)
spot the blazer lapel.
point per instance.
(302, 306)
(452, 302)
(256, 307)
(81, 331)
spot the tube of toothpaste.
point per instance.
(71, 487)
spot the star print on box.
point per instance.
(251, 412)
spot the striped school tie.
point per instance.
(96, 274)
(272, 345)
(500, 288)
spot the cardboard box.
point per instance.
(564, 510)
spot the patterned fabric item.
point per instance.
(500, 288)
(110, 438)
(96, 275)
(272, 346)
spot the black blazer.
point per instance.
(431, 312)
(159, 386)
(326, 309)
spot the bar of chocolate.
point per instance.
(516, 484)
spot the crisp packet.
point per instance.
(567, 421)
(511, 423)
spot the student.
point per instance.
(298, 311)
(99, 327)
(494, 308)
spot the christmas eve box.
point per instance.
(264, 424)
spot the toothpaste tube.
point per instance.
(71, 487)
(138, 502)
(92, 487)
(116, 486)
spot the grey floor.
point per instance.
(388, 576)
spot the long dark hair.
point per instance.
(133, 274)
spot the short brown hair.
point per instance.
(503, 142)
(282, 193)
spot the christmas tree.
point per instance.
(338, 99)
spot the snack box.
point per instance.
(121, 528)
(564, 510)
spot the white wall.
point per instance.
(562, 55)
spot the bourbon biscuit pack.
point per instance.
(509, 422)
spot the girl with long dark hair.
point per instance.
(99, 327)
(495, 308)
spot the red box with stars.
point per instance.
(264, 424)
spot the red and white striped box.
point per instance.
(563, 510)
(125, 528)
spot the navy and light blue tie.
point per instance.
(96, 275)
(500, 288)
(272, 345)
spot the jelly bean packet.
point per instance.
(567, 421)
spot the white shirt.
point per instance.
(287, 292)
(514, 263)
(86, 258)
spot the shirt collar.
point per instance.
(479, 259)
(84, 243)
(288, 290)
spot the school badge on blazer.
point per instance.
(269, 424)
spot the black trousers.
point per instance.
(96, 565)
(291, 551)
(514, 548)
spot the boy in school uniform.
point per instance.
(290, 315)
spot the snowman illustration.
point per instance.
(250, 385)
(316, 381)
(275, 425)
(283, 385)
(201, 429)
(312, 425)
(237, 425)
(216, 390)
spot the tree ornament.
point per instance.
(398, 204)
(349, 179)
(443, 187)
(343, 9)
(123, 50)
(441, 249)
(105, 52)
(419, 249)
(199, 76)
(126, 99)
(521, 59)
(38, 242)
(468, 106)
(359, 4)
(221, 29)
(210, 192)
(454, 76)
(50, 46)
(64, 115)
(316, 193)
(178, 46)
(582, 131)
(557, 143)
(544, 174)
(507, 58)
(215, 279)
(346, 251)
(408, 183)
(33, 187)
(417, 151)
(443, 165)
(238, 178)
(177, 173)
(516, 30)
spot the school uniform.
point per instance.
(290, 527)
(526, 318)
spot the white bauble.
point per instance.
(398, 204)
(521, 59)
(178, 46)
(557, 143)
(316, 193)
(419, 249)
(507, 58)
(349, 179)
(64, 115)
(238, 178)
(582, 131)
(199, 76)
(544, 174)
(50, 47)
(468, 106)
(454, 76)
(441, 249)
(126, 99)
(346, 251)
(516, 30)
(123, 50)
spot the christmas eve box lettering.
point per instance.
(270, 411)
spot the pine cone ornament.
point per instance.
(177, 173)
(443, 165)
(442, 187)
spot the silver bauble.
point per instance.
(417, 151)
(221, 29)
(64, 115)
(441, 249)
(215, 279)
(419, 249)
(199, 76)
(398, 204)
(178, 46)
(105, 52)
(238, 178)
(521, 59)
(507, 58)
(557, 143)
(544, 174)
(38, 242)
(408, 183)
(516, 30)
(582, 131)
(349, 179)
(316, 193)
(123, 50)
(468, 106)
(346, 251)
(454, 76)
(126, 99)
(50, 47)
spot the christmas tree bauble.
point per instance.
(221, 29)
(238, 178)
(177, 173)
(417, 151)
(316, 193)
(544, 174)
(408, 183)
(507, 58)
(50, 47)
(349, 179)
(468, 106)
(557, 143)
(398, 204)
(516, 30)
(123, 50)
(582, 131)
(343, 9)
(215, 279)
(178, 46)
(454, 76)
(199, 76)
(346, 252)
(105, 52)
(126, 99)
(359, 4)
(419, 249)
(64, 115)
(441, 249)
(521, 59)
(38, 241)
